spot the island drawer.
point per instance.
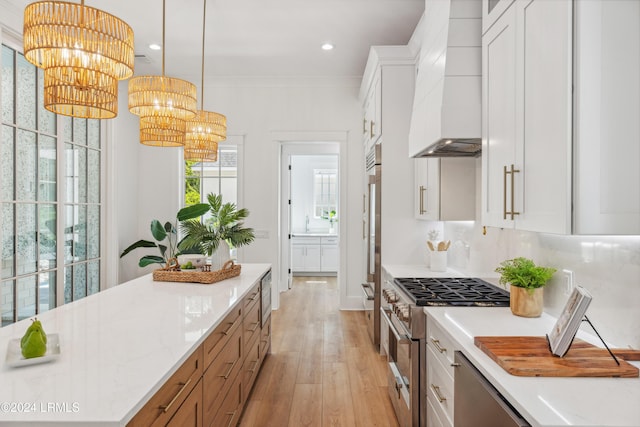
(231, 408)
(219, 377)
(214, 343)
(164, 404)
(251, 324)
(251, 366)
(252, 297)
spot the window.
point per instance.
(324, 193)
(221, 177)
(49, 198)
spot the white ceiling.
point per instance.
(263, 37)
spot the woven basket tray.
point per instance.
(172, 274)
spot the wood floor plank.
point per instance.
(323, 369)
(337, 405)
(306, 408)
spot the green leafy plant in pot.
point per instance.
(527, 281)
(166, 236)
(224, 228)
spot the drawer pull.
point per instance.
(226, 376)
(233, 416)
(438, 346)
(228, 329)
(254, 327)
(254, 297)
(165, 408)
(255, 363)
(436, 390)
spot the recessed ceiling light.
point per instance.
(155, 46)
(327, 46)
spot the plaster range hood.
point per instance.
(447, 109)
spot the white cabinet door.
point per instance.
(498, 117)
(607, 100)
(491, 12)
(297, 258)
(427, 189)
(526, 174)
(329, 258)
(543, 116)
(312, 258)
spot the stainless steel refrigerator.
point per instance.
(372, 289)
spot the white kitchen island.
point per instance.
(117, 348)
(542, 401)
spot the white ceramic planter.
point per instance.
(220, 256)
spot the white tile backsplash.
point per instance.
(607, 266)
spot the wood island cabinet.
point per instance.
(212, 385)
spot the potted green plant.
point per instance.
(224, 227)
(331, 216)
(527, 281)
(166, 236)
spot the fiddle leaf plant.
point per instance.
(165, 236)
(523, 273)
(225, 223)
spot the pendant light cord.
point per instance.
(164, 47)
(204, 20)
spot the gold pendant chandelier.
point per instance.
(163, 103)
(83, 51)
(207, 128)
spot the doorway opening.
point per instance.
(310, 211)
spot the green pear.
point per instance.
(35, 326)
(34, 345)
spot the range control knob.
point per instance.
(390, 296)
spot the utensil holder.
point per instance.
(439, 261)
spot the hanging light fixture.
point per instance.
(83, 51)
(163, 103)
(204, 154)
(207, 128)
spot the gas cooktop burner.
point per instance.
(453, 291)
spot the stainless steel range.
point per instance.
(402, 309)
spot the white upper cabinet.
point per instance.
(492, 10)
(607, 118)
(545, 149)
(445, 189)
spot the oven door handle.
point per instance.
(401, 339)
(368, 291)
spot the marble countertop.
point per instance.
(543, 401)
(117, 348)
(303, 234)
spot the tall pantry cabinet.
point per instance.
(561, 83)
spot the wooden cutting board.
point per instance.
(531, 357)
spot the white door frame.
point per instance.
(291, 143)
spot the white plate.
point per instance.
(15, 358)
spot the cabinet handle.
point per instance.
(364, 226)
(228, 329)
(436, 343)
(233, 364)
(165, 408)
(233, 415)
(255, 363)
(364, 203)
(255, 327)
(364, 126)
(436, 390)
(511, 172)
(422, 210)
(371, 125)
(398, 385)
(254, 297)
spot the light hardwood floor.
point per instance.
(323, 369)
